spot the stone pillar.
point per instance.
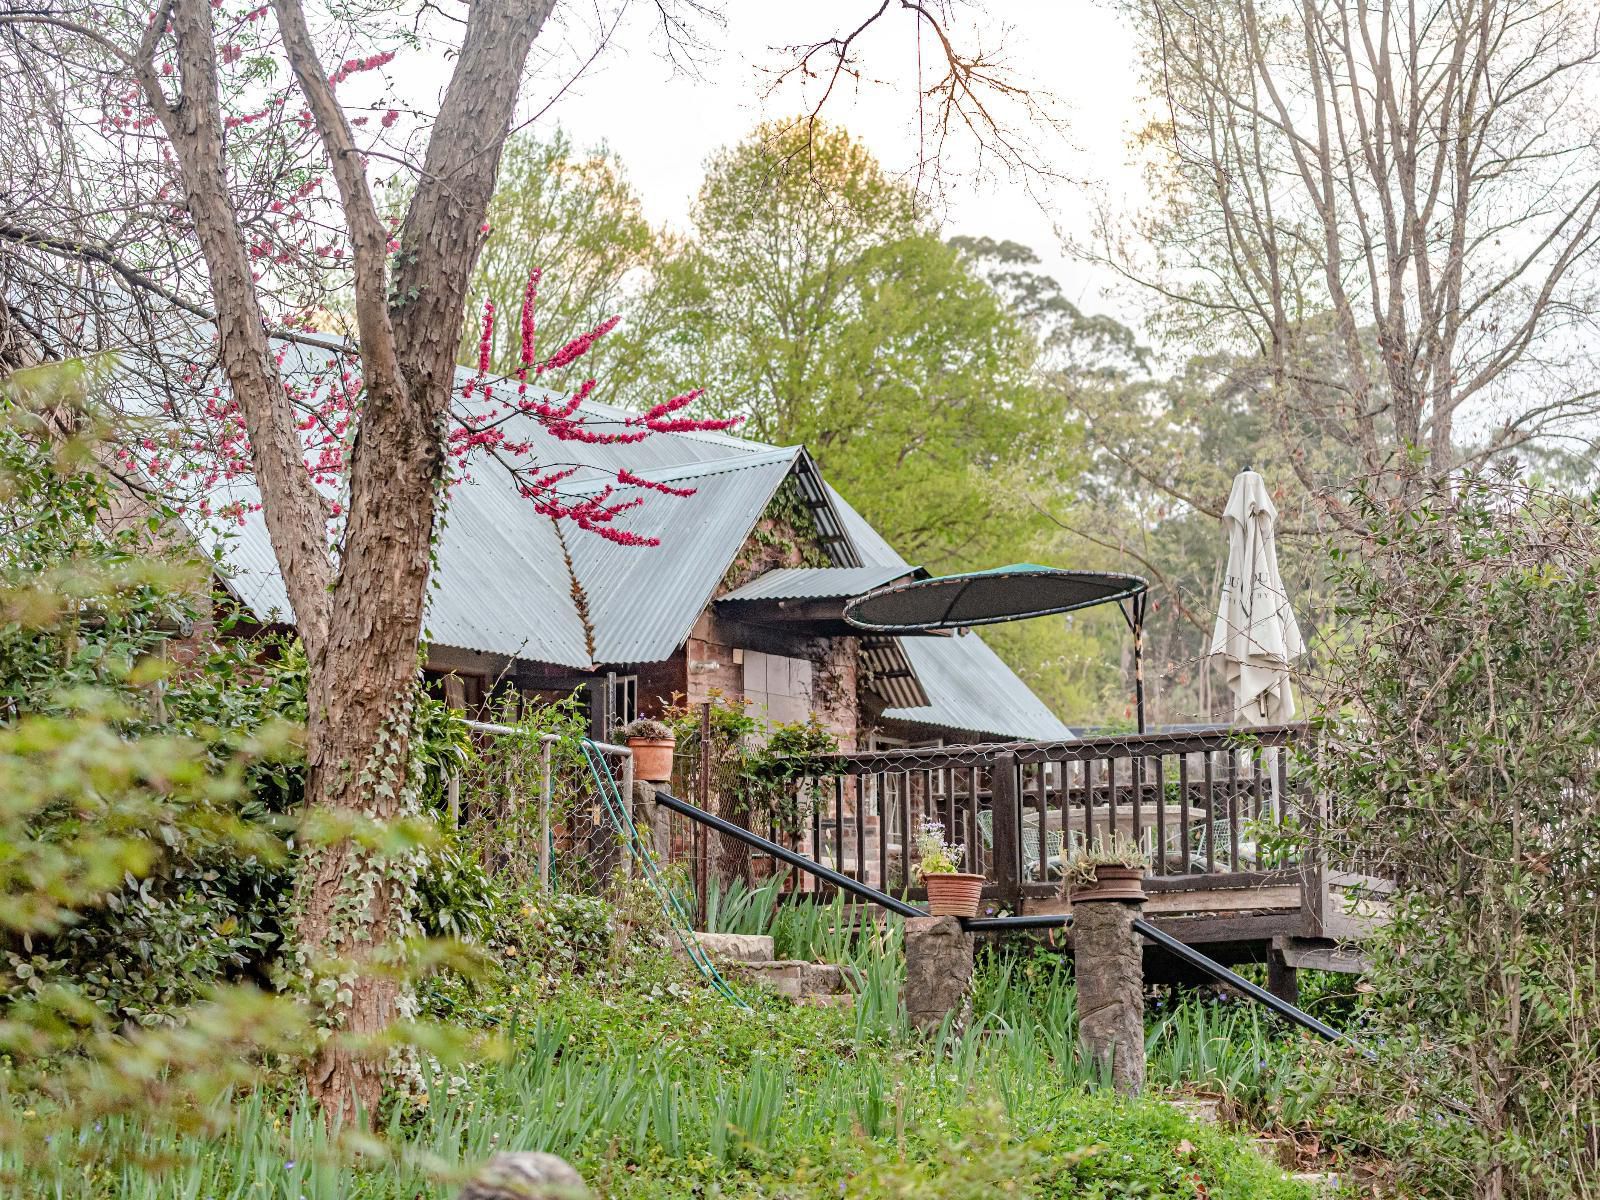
(938, 970)
(1109, 964)
(651, 820)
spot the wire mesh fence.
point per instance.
(528, 801)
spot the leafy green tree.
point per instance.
(109, 617)
(1461, 748)
(573, 213)
(814, 300)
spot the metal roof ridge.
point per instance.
(695, 470)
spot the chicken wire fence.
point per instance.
(525, 798)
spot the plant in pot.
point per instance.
(951, 892)
(652, 743)
(1107, 871)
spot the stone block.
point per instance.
(787, 977)
(1109, 965)
(1201, 1111)
(938, 971)
(841, 1000)
(736, 947)
(526, 1175)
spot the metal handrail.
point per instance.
(900, 907)
(1166, 941)
(784, 854)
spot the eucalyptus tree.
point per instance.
(1393, 205)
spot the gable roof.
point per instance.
(968, 685)
(501, 585)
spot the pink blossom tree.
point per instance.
(246, 154)
(217, 160)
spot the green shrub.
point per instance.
(1460, 756)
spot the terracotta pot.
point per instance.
(652, 758)
(1111, 883)
(953, 894)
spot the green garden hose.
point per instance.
(619, 810)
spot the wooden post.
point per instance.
(1283, 981)
(455, 697)
(1109, 964)
(702, 846)
(1007, 808)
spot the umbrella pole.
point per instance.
(1135, 620)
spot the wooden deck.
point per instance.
(1206, 805)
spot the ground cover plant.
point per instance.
(654, 1085)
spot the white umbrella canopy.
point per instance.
(1256, 634)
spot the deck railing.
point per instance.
(1199, 802)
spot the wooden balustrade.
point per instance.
(1198, 801)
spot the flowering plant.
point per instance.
(935, 856)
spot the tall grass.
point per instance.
(731, 1094)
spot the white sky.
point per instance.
(664, 124)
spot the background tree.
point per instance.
(1373, 200)
(554, 204)
(1462, 756)
(815, 302)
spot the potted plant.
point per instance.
(652, 743)
(951, 892)
(1113, 871)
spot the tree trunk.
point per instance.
(360, 621)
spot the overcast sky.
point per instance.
(665, 123)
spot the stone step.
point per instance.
(803, 981)
(1325, 1181)
(1200, 1110)
(736, 947)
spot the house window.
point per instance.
(624, 699)
(778, 689)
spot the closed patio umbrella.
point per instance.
(1256, 634)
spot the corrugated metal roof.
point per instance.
(967, 684)
(815, 583)
(887, 672)
(970, 687)
(502, 587)
(644, 601)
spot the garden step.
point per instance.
(1327, 1181)
(842, 1000)
(800, 980)
(736, 947)
(1202, 1111)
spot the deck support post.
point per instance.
(938, 971)
(1007, 808)
(1109, 963)
(1283, 981)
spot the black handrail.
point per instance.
(1166, 941)
(784, 854)
(1221, 973)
